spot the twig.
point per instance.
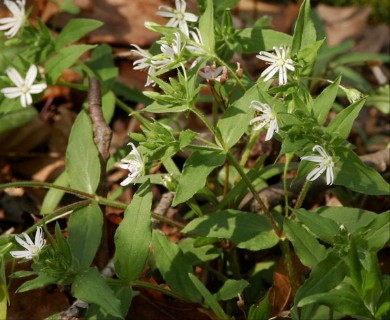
(163, 206)
(102, 137)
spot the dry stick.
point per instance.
(102, 138)
(274, 195)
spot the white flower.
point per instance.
(144, 63)
(198, 48)
(279, 63)
(325, 163)
(14, 23)
(24, 87)
(169, 53)
(32, 248)
(213, 73)
(268, 117)
(178, 16)
(133, 162)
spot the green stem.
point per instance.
(292, 275)
(142, 120)
(147, 285)
(234, 265)
(252, 140)
(250, 186)
(302, 194)
(289, 156)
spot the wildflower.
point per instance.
(178, 16)
(32, 248)
(144, 63)
(24, 87)
(325, 163)
(133, 163)
(267, 118)
(211, 73)
(169, 53)
(279, 62)
(198, 47)
(14, 23)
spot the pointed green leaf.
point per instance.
(323, 103)
(377, 232)
(352, 173)
(246, 230)
(324, 276)
(134, 235)
(238, 112)
(306, 246)
(54, 196)
(85, 231)
(75, 30)
(63, 60)
(341, 125)
(174, 267)
(16, 118)
(42, 280)
(206, 26)
(91, 287)
(324, 228)
(231, 289)
(82, 156)
(208, 297)
(304, 31)
(195, 172)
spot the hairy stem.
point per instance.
(302, 194)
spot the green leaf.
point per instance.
(255, 39)
(17, 118)
(208, 297)
(173, 267)
(261, 311)
(380, 99)
(197, 254)
(85, 231)
(352, 173)
(134, 235)
(238, 112)
(343, 299)
(323, 103)
(246, 230)
(377, 232)
(195, 172)
(63, 60)
(75, 30)
(42, 280)
(324, 276)
(103, 65)
(351, 218)
(108, 106)
(231, 289)
(307, 247)
(82, 156)
(304, 31)
(372, 282)
(323, 228)
(206, 26)
(54, 196)
(91, 287)
(342, 124)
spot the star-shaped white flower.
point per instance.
(170, 53)
(178, 17)
(268, 117)
(32, 248)
(325, 163)
(279, 62)
(144, 63)
(14, 23)
(24, 87)
(133, 162)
